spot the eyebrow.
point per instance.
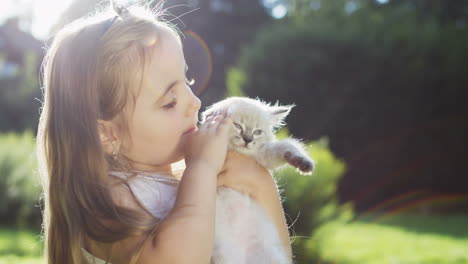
(167, 91)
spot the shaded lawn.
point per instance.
(398, 239)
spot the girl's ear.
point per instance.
(108, 136)
(279, 113)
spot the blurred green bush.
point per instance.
(311, 200)
(19, 181)
(373, 58)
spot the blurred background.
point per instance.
(381, 88)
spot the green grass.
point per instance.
(19, 247)
(10, 259)
(401, 239)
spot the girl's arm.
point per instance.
(187, 233)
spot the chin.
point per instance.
(178, 156)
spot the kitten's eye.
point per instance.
(238, 126)
(257, 132)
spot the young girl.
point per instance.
(117, 115)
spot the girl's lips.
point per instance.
(191, 130)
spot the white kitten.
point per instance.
(244, 234)
(254, 124)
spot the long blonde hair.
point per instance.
(88, 74)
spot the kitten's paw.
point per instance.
(304, 164)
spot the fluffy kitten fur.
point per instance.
(244, 234)
(254, 124)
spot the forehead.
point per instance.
(167, 60)
(167, 49)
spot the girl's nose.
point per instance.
(194, 106)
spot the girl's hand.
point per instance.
(243, 174)
(208, 146)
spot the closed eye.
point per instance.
(170, 105)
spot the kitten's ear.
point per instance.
(279, 113)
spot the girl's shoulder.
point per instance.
(148, 193)
(155, 193)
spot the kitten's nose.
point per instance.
(247, 140)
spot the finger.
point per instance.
(208, 120)
(224, 125)
(227, 120)
(208, 116)
(217, 118)
(204, 126)
(214, 123)
(226, 113)
(221, 112)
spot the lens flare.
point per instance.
(199, 59)
(421, 201)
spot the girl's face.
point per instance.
(166, 110)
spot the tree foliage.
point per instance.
(19, 109)
(19, 181)
(387, 85)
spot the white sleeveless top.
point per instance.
(156, 192)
